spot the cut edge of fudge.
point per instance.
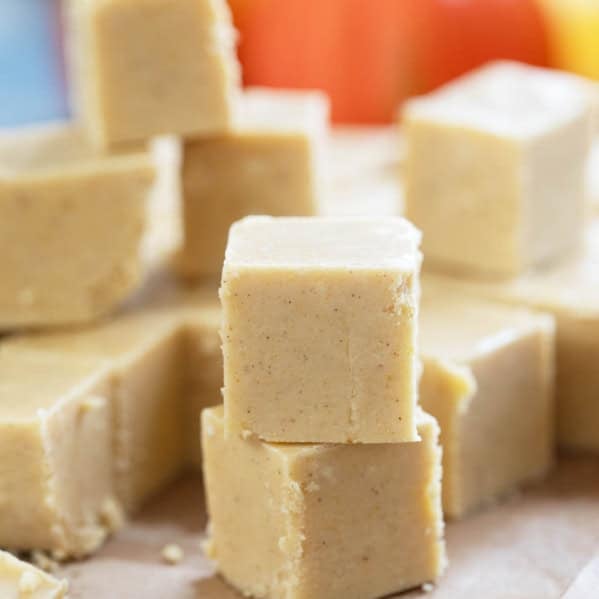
(71, 520)
(150, 340)
(446, 390)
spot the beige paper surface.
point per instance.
(539, 544)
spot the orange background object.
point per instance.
(370, 55)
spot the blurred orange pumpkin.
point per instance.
(369, 55)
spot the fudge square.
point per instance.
(71, 226)
(488, 379)
(570, 291)
(270, 164)
(20, 580)
(323, 521)
(145, 351)
(56, 486)
(142, 68)
(495, 168)
(319, 329)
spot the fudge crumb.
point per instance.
(172, 554)
(428, 587)
(43, 562)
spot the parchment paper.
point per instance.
(538, 544)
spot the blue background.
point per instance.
(32, 86)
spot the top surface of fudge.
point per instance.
(112, 339)
(55, 146)
(459, 327)
(30, 382)
(323, 243)
(283, 110)
(506, 98)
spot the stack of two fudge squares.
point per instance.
(322, 476)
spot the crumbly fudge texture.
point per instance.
(147, 357)
(488, 379)
(323, 521)
(71, 225)
(495, 168)
(21, 580)
(319, 329)
(56, 491)
(569, 290)
(271, 164)
(142, 68)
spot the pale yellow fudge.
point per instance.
(204, 367)
(323, 521)
(319, 329)
(494, 171)
(570, 291)
(21, 580)
(146, 354)
(71, 226)
(142, 68)
(56, 479)
(488, 379)
(271, 164)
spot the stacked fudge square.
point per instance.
(494, 178)
(323, 477)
